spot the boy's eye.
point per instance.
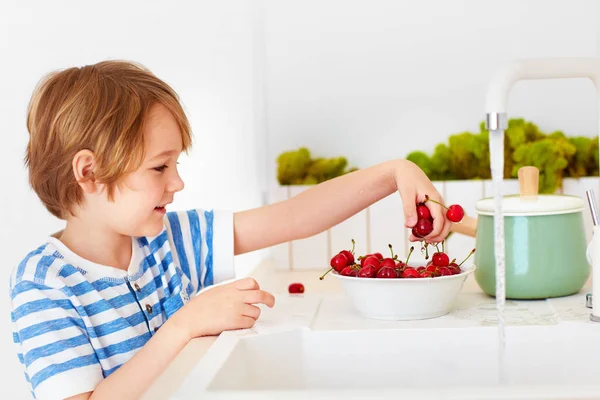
(161, 168)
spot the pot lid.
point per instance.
(541, 204)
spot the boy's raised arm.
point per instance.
(329, 203)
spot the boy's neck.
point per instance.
(98, 244)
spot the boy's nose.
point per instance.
(176, 184)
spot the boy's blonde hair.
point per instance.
(101, 108)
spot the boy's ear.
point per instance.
(84, 164)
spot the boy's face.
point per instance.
(139, 203)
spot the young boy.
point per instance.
(101, 308)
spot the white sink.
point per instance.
(553, 361)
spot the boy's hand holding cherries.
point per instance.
(376, 266)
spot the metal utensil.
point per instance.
(591, 198)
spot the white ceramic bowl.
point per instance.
(404, 298)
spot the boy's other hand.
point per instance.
(224, 307)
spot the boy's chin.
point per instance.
(150, 230)
(155, 232)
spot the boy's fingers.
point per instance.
(259, 297)
(439, 219)
(247, 284)
(251, 311)
(245, 322)
(410, 208)
(445, 231)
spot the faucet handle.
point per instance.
(588, 300)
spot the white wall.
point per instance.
(379, 79)
(203, 49)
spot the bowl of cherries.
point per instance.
(391, 289)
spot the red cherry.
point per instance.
(296, 288)
(387, 272)
(410, 273)
(444, 271)
(454, 268)
(349, 271)
(455, 213)
(348, 255)
(389, 261)
(420, 269)
(423, 212)
(367, 272)
(422, 228)
(415, 231)
(364, 259)
(399, 268)
(339, 262)
(371, 260)
(378, 255)
(426, 274)
(440, 259)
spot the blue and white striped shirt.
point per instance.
(75, 322)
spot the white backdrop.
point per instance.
(382, 78)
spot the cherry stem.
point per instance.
(392, 251)
(352, 251)
(472, 251)
(443, 241)
(409, 253)
(436, 202)
(437, 248)
(323, 276)
(426, 251)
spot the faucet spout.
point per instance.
(551, 68)
(496, 121)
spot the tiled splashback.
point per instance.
(383, 223)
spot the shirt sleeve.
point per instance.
(202, 245)
(52, 342)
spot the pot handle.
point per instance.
(468, 226)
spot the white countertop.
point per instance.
(324, 307)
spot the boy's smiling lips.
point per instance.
(162, 208)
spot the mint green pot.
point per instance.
(545, 247)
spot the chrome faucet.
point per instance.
(496, 120)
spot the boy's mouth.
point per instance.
(161, 208)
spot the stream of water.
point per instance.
(497, 167)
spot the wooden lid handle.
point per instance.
(468, 226)
(529, 178)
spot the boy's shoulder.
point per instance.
(42, 266)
